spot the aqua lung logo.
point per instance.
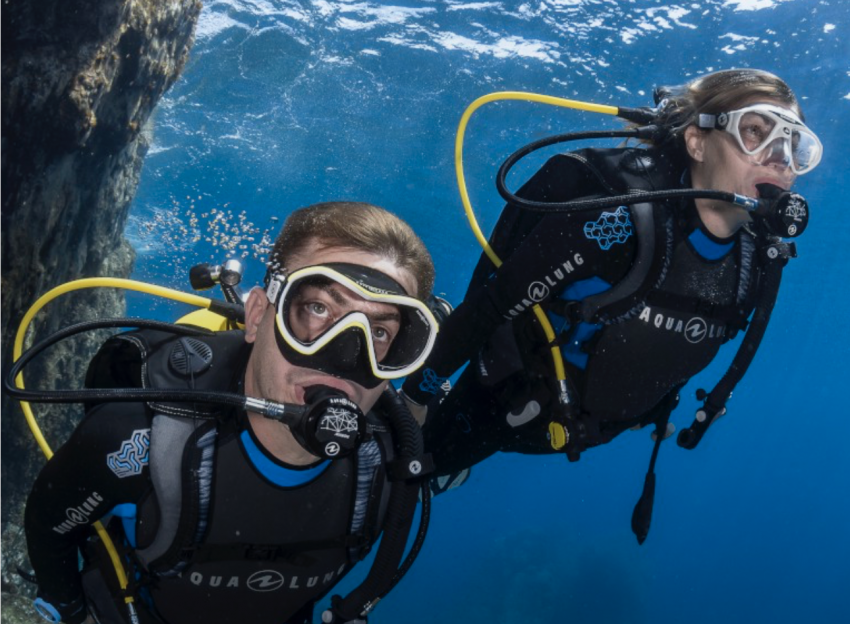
(694, 330)
(796, 210)
(374, 289)
(266, 580)
(79, 515)
(539, 289)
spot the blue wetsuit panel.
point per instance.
(584, 331)
(127, 513)
(279, 475)
(707, 248)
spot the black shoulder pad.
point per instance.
(627, 169)
(146, 359)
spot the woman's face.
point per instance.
(718, 163)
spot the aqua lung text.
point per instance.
(264, 580)
(79, 515)
(694, 330)
(539, 290)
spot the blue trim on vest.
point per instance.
(577, 291)
(277, 474)
(127, 513)
(585, 288)
(707, 248)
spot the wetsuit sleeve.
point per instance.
(556, 252)
(99, 467)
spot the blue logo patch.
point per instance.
(132, 456)
(610, 228)
(432, 383)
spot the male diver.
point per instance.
(640, 295)
(227, 515)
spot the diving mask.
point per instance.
(768, 127)
(327, 320)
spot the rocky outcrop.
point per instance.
(79, 82)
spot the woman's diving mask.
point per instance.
(776, 133)
(351, 322)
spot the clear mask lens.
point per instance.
(775, 134)
(317, 305)
(778, 152)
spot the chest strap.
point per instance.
(295, 553)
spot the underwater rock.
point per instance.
(79, 83)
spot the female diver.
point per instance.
(640, 297)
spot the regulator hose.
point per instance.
(125, 395)
(111, 394)
(635, 196)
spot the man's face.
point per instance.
(270, 375)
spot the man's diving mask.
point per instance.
(327, 320)
(767, 127)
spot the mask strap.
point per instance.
(275, 286)
(707, 122)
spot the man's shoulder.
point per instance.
(108, 423)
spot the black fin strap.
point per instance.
(642, 514)
(776, 257)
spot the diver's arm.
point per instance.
(74, 489)
(461, 335)
(549, 249)
(554, 255)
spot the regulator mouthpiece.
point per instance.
(329, 425)
(785, 213)
(333, 425)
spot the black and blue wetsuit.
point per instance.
(275, 538)
(698, 295)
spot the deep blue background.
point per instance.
(284, 104)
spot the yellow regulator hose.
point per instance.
(558, 438)
(96, 282)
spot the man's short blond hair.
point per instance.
(359, 226)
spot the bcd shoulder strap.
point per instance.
(183, 440)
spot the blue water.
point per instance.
(283, 104)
